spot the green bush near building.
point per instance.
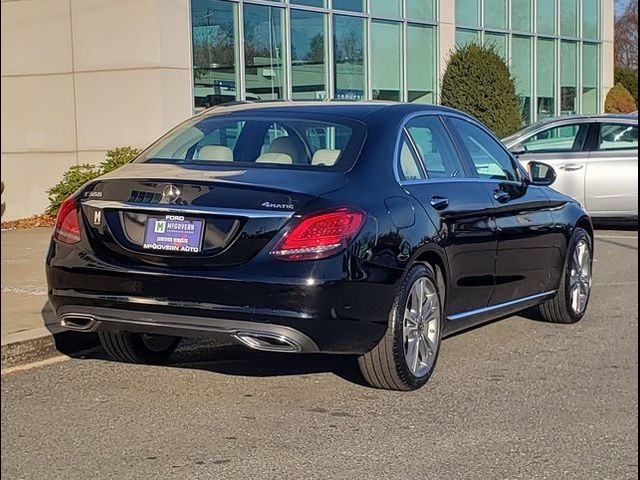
(78, 175)
(478, 81)
(619, 100)
(628, 78)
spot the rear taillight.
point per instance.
(320, 235)
(67, 222)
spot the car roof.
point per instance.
(359, 110)
(605, 117)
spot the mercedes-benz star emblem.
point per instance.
(170, 194)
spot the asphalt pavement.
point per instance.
(514, 399)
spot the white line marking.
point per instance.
(619, 284)
(29, 366)
(617, 236)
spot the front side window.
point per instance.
(563, 138)
(618, 137)
(244, 141)
(489, 158)
(435, 148)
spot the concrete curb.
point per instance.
(42, 344)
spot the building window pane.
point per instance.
(351, 5)
(546, 16)
(421, 9)
(214, 52)
(264, 52)
(498, 41)
(421, 64)
(310, 3)
(495, 14)
(590, 62)
(468, 12)
(308, 55)
(385, 64)
(521, 15)
(387, 8)
(464, 37)
(521, 69)
(568, 78)
(545, 78)
(348, 47)
(569, 18)
(590, 17)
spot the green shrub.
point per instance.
(477, 81)
(619, 100)
(78, 175)
(629, 79)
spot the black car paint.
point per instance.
(491, 254)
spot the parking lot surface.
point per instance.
(517, 398)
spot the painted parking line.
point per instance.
(618, 237)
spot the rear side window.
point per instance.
(307, 143)
(618, 137)
(489, 158)
(563, 138)
(435, 148)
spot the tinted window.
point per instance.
(489, 158)
(435, 148)
(297, 142)
(618, 137)
(563, 138)
(409, 167)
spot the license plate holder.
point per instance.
(173, 234)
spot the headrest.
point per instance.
(291, 146)
(281, 158)
(325, 157)
(215, 152)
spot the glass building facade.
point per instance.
(392, 49)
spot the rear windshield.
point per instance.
(242, 141)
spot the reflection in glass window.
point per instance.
(521, 68)
(590, 17)
(214, 52)
(421, 9)
(590, 63)
(308, 55)
(618, 137)
(546, 16)
(545, 78)
(387, 8)
(569, 18)
(521, 15)
(568, 78)
(385, 64)
(348, 47)
(421, 61)
(468, 12)
(351, 5)
(563, 138)
(464, 37)
(264, 52)
(498, 41)
(310, 3)
(495, 14)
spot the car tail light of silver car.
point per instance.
(320, 235)
(67, 228)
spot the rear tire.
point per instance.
(406, 356)
(570, 303)
(133, 347)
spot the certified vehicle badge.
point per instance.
(170, 194)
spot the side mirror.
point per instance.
(541, 173)
(518, 149)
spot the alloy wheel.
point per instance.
(580, 277)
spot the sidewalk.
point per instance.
(29, 327)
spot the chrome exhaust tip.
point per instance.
(268, 342)
(78, 321)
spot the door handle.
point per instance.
(501, 196)
(571, 167)
(439, 203)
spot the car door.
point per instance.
(527, 261)
(432, 172)
(562, 147)
(612, 171)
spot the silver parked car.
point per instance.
(595, 158)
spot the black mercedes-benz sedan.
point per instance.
(371, 229)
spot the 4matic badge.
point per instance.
(282, 206)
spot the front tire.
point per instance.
(133, 347)
(406, 356)
(570, 303)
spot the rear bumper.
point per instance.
(329, 313)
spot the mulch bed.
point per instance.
(42, 220)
